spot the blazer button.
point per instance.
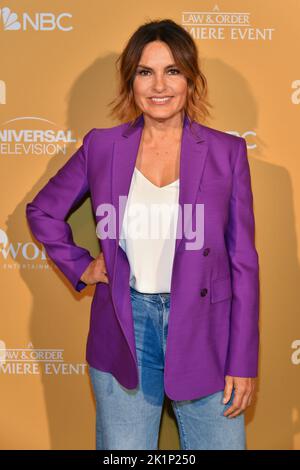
(203, 292)
(206, 251)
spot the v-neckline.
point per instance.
(152, 184)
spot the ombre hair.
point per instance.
(185, 54)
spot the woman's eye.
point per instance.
(174, 70)
(141, 72)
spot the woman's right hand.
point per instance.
(96, 271)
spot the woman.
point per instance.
(197, 287)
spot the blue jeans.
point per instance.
(130, 419)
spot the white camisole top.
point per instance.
(148, 233)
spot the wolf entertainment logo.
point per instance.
(45, 21)
(28, 251)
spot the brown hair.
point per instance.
(185, 54)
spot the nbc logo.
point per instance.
(9, 19)
(45, 21)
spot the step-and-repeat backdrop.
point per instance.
(57, 76)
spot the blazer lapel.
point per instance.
(192, 159)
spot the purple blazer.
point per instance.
(214, 305)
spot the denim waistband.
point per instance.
(151, 296)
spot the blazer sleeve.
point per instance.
(242, 358)
(47, 212)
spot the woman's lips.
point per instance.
(161, 101)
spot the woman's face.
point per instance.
(157, 76)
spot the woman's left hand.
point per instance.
(243, 394)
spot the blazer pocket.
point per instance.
(221, 289)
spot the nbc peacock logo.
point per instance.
(9, 19)
(37, 21)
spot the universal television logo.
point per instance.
(26, 141)
(45, 21)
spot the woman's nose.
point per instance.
(159, 82)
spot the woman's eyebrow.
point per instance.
(149, 68)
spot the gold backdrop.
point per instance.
(57, 75)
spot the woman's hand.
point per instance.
(96, 271)
(243, 394)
